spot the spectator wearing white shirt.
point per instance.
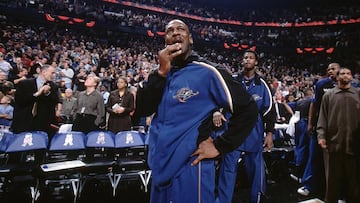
(67, 74)
(4, 65)
(6, 112)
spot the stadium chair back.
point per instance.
(100, 152)
(131, 164)
(24, 152)
(64, 162)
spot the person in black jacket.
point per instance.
(37, 103)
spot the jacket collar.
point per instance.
(256, 78)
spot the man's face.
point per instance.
(178, 32)
(3, 76)
(49, 73)
(90, 81)
(333, 70)
(345, 77)
(249, 60)
(68, 93)
(5, 100)
(18, 60)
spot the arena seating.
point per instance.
(100, 156)
(100, 152)
(131, 159)
(64, 161)
(23, 154)
(71, 158)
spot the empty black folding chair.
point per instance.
(24, 153)
(131, 163)
(100, 154)
(64, 162)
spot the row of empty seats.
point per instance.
(70, 158)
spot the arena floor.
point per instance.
(100, 192)
(280, 190)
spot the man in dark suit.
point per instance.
(37, 102)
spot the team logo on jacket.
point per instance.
(184, 94)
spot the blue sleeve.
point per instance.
(243, 116)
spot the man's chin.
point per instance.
(345, 82)
(177, 61)
(248, 68)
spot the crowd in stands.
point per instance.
(24, 48)
(110, 55)
(123, 51)
(130, 16)
(276, 13)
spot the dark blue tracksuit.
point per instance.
(314, 175)
(184, 102)
(254, 162)
(302, 138)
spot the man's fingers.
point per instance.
(197, 160)
(217, 121)
(195, 153)
(218, 118)
(175, 54)
(173, 49)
